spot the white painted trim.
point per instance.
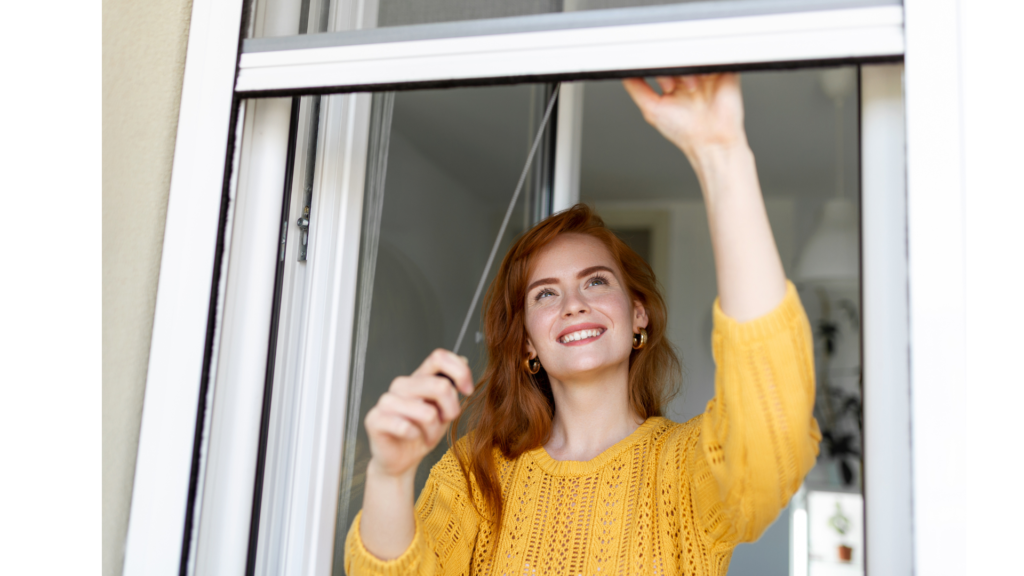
(827, 34)
(303, 466)
(204, 453)
(279, 471)
(276, 18)
(993, 121)
(887, 474)
(226, 512)
(330, 316)
(230, 444)
(302, 471)
(938, 274)
(568, 146)
(164, 461)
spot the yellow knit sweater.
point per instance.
(669, 499)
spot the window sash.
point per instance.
(554, 22)
(188, 293)
(332, 64)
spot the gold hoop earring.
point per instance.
(532, 365)
(640, 340)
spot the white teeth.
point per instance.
(582, 334)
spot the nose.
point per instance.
(574, 304)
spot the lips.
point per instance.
(580, 334)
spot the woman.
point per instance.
(570, 468)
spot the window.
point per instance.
(280, 420)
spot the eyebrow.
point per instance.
(580, 274)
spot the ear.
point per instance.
(639, 316)
(531, 351)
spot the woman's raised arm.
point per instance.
(758, 437)
(703, 116)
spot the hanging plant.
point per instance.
(839, 413)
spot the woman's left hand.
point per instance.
(696, 113)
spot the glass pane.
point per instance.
(442, 166)
(802, 127)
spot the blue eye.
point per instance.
(542, 294)
(599, 280)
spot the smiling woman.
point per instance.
(567, 276)
(569, 466)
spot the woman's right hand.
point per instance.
(698, 113)
(412, 416)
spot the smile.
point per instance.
(581, 335)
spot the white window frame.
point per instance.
(216, 74)
(789, 37)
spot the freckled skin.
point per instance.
(599, 297)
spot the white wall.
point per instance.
(435, 220)
(965, 198)
(992, 93)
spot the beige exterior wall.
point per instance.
(143, 63)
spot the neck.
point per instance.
(592, 414)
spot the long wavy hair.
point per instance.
(512, 410)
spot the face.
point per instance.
(580, 318)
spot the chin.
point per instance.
(583, 366)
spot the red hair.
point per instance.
(512, 410)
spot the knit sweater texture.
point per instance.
(669, 499)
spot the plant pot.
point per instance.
(845, 553)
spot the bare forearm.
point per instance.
(703, 116)
(388, 524)
(404, 426)
(751, 281)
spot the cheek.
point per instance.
(538, 324)
(615, 307)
